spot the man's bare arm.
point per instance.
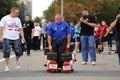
(1, 34)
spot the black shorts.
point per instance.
(77, 39)
(104, 39)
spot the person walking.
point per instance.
(59, 38)
(28, 25)
(10, 31)
(87, 24)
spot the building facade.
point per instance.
(28, 6)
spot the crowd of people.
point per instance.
(57, 36)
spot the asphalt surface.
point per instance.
(32, 67)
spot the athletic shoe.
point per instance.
(18, 65)
(93, 63)
(84, 62)
(6, 69)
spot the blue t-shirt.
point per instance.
(79, 29)
(58, 31)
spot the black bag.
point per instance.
(51, 56)
(66, 56)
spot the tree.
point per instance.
(72, 9)
(108, 10)
(6, 5)
(21, 7)
(102, 9)
(37, 19)
(50, 12)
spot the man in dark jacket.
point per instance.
(27, 27)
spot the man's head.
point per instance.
(85, 12)
(71, 23)
(103, 23)
(27, 18)
(58, 18)
(14, 12)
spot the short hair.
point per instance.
(84, 9)
(58, 14)
(14, 8)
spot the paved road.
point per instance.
(32, 68)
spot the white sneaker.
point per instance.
(6, 69)
(84, 62)
(93, 63)
(18, 65)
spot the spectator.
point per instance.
(27, 27)
(77, 31)
(10, 28)
(36, 36)
(87, 24)
(104, 36)
(116, 24)
(98, 38)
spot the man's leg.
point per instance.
(28, 46)
(92, 49)
(118, 50)
(18, 51)
(61, 49)
(84, 49)
(6, 51)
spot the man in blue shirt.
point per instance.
(59, 38)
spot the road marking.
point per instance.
(1, 60)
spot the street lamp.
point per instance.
(62, 8)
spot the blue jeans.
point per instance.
(16, 45)
(87, 43)
(118, 50)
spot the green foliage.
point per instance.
(72, 9)
(6, 5)
(37, 19)
(108, 10)
(21, 15)
(102, 9)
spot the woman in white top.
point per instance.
(36, 35)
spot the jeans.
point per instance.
(16, 45)
(118, 50)
(87, 43)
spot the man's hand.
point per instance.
(23, 40)
(81, 19)
(50, 48)
(67, 48)
(24, 26)
(68, 45)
